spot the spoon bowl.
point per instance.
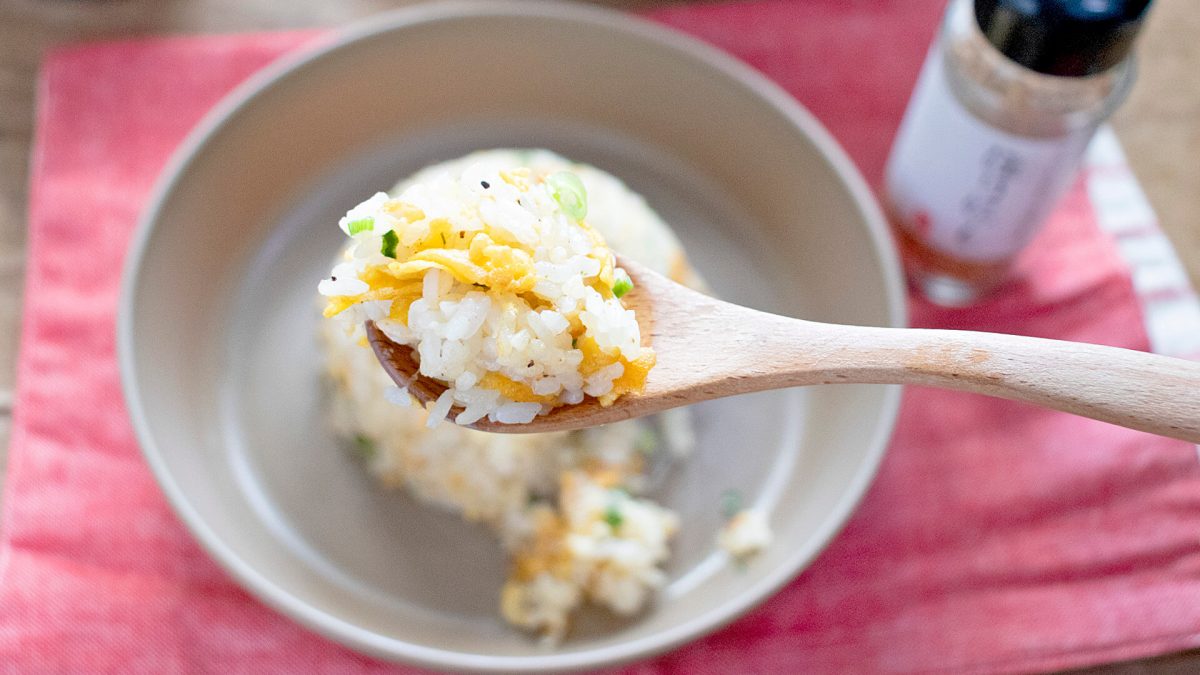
(403, 366)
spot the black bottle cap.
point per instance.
(1070, 38)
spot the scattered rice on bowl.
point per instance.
(569, 509)
(745, 534)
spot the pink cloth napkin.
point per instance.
(997, 537)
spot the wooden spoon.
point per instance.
(710, 349)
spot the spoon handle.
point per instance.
(1133, 389)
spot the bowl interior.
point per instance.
(223, 370)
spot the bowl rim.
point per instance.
(348, 634)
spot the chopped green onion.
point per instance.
(731, 503)
(569, 192)
(574, 343)
(622, 284)
(361, 225)
(613, 516)
(365, 447)
(390, 240)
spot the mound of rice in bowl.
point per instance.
(504, 291)
(570, 509)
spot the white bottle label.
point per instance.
(966, 188)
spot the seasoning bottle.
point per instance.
(1009, 96)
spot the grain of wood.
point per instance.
(1160, 123)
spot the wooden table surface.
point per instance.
(1159, 125)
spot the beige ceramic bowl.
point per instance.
(216, 328)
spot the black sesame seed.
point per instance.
(485, 184)
(333, 278)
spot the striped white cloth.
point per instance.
(1169, 304)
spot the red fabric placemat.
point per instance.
(997, 537)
